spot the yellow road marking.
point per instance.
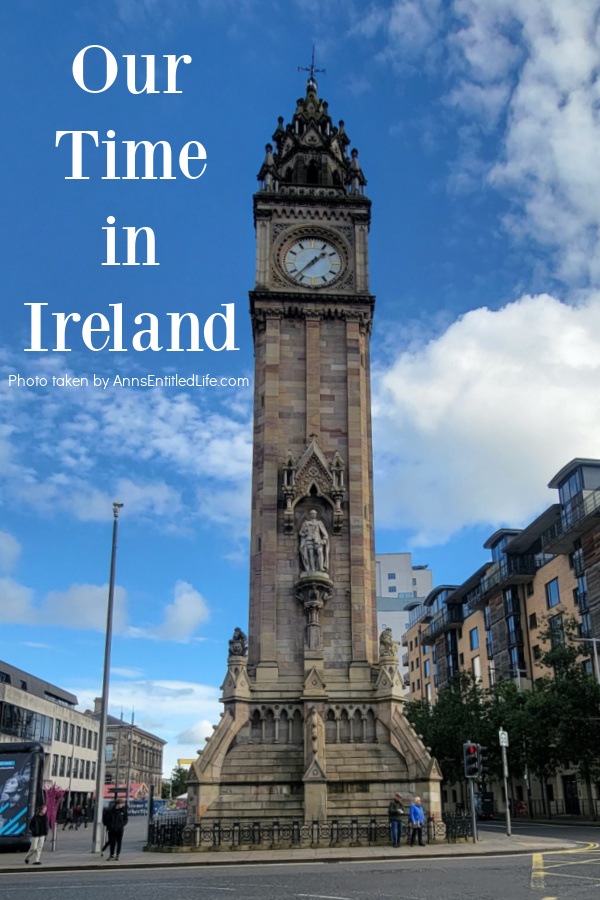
(537, 871)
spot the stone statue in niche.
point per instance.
(314, 544)
(238, 645)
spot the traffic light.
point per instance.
(482, 756)
(471, 759)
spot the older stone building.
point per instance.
(313, 724)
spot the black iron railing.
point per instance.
(230, 834)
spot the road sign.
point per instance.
(503, 738)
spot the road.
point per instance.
(564, 875)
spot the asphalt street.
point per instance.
(567, 875)
(543, 869)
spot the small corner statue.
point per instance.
(238, 645)
(314, 544)
(387, 645)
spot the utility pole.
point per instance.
(97, 829)
(503, 738)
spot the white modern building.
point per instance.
(35, 710)
(401, 587)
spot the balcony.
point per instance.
(583, 601)
(451, 618)
(511, 570)
(405, 659)
(574, 520)
(406, 679)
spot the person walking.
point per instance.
(116, 821)
(395, 813)
(416, 817)
(38, 828)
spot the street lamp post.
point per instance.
(97, 829)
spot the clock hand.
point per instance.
(311, 263)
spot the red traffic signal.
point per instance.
(471, 759)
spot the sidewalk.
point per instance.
(74, 852)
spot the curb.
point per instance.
(466, 851)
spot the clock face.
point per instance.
(312, 262)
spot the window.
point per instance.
(57, 724)
(473, 639)
(95, 741)
(93, 775)
(78, 735)
(414, 581)
(426, 668)
(65, 732)
(61, 770)
(75, 768)
(71, 734)
(552, 594)
(391, 576)
(54, 764)
(476, 667)
(83, 737)
(69, 766)
(536, 651)
(572, 486)
(87, 768)
(533, 620)
(557, 635)
(391, 590)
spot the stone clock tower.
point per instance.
(313, 724)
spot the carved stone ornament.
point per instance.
(313, 474)
(313, 592)
(387, 644)
(238, 645)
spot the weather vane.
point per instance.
(311, 69)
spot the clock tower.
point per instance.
(313, 724)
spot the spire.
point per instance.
(311, 150)
(311, 84)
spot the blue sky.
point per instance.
(477, 127)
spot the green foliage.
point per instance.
(555, 724)
(179, 777)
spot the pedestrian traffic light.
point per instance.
(482, 756)
(471, 759)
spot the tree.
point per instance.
(458, 716)
(178, 783)
(574, 697)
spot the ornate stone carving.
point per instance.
(238, 645)
(313, 592)
(387, 645)
(311, 475)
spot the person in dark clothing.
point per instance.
(116, 820)
(38, 828)
(395, 813)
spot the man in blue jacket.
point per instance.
(416, 818)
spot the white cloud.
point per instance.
(77, 442)
(182, 617)
(526, 73)
(162, 707)
(84, 607)
(470, 427)
(10, 550)
(16, 601)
